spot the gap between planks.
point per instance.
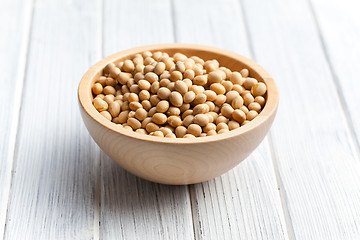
(336, 81)
(18, 102)
(174, 24)
(98, 186)
(269, 142)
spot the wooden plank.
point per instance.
(15, 17)
(133, 208)
(243, 203)
(315, 156)
(340, 38)
(56, 162)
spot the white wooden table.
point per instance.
(303, 182)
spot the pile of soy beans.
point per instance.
(177, 96)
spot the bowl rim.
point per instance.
(84, 94)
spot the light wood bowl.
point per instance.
(180, 160)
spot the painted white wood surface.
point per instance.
(13, 50)
(316, 159)
(63, 187)
(131, 207)
(56, 163)
(243, 203)
(340, 36)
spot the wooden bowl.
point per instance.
(180, 160)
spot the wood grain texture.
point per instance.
(243, 203)
(316, 160)
(133, 208)
(340, 38)
(14, 40)
(56, 162)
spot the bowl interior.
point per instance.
(227, 59)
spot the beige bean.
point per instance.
(190, 74)
(249, 83)
(176, 99)
(159, 118)
(151, 77)
(227, 110)
(141, 114)
(188, 120)
(237, 102)
(217, 88)
(165, 130)
(221, 119)
(144, 95)
(114, 72)
(135, 105)
(244, 109)
(97, 88)
(157, 134)
(221, 125)
(146, 104)
(109, 99)
(201, 108)
(179, 57)
(233, 125)
(227, 85)
(259, 89)
(180, 66)
(144, 85)
(123, 116)
(189, 97)
(201, 120)
(164, 82)
(224, 130)
(106, 114)
(152, 127)
(254, 106)
(114, 109)
(181, 87)
(162, 106)
(238, 88)
(180, 131)
(175, 76)
(154, 99)
(208, 127)
(174, 121)
(109, 90)
(159, 68)
(134, 123)
(210, 95)
(248, 98)
(108, 66)
(211, 105)
(244, 72)
(260, 100)
(220, 99)
(211, 133)
(194, 129)
(133, 97)
(173, 111)
(238, 116)
(164, 93)
(215, 77)
(152, 111)
(100, 104)
(251, 115)
(187, 113)
(184, 107)
(200, 80)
